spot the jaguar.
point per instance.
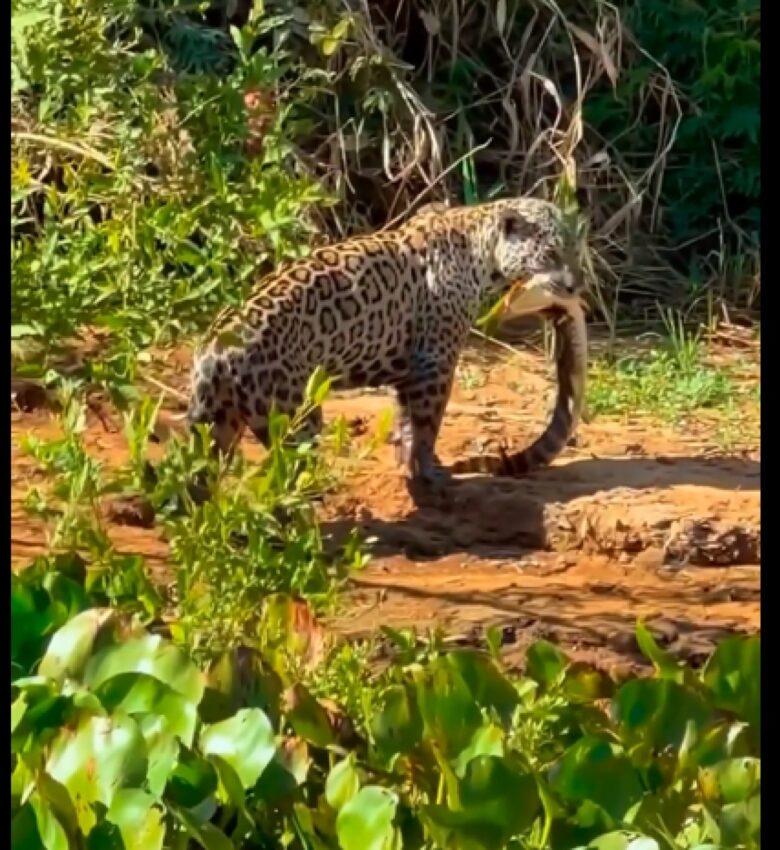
(392, 308)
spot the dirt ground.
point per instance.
(636, 520)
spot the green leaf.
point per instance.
(665, 666)
(733, 675)
(545, 663)
(152, 655)
(732, 780)
(162, 748)
(23, 20)
(138, 693)
(366, 821)
(307, 717)
(667, 805)
(24, 830)
(18, 708)
(245, 742)
(740, 823)
(496, 787)
(487, 741)
(32, 618)
(59, 801)
(496, 801)
(720, 741)
(318, 386)
(643, 843)
(104, 836)
(286, 771)
(101, 756)
(449, 712)
(585, 684)
(397, 726)
(207, 835)
(47, 710)
(343, 783)
(138, 819)
(308, 825)
(487, 685)
(230, 788)
(68, 597)
(51, 832)
(330, 42)
(72, 645)
(597, 770)
(240, 679)
(657, 712)
(622, 840)
(192, 780)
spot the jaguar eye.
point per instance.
(517, 227)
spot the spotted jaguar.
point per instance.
(392, 308)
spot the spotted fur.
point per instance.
(388, 309)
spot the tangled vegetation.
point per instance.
(119, 739)
(164, 154)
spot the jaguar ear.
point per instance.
(515, 227)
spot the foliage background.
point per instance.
(164, 153)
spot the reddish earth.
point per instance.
(637, 520)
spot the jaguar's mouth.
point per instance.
(540, 295)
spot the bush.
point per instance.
(256, 534)
(712, 51)
(163, 157)
(118, 739)
(139, 205)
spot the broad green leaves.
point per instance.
(597, 771)
(657, 712)
(139, 819)
(121, 740)
(343, 783)
(545, 663)
(665, 666)
(245, 742)
(308, 717)
(119, 710)
(365, 822)
(732, 780)
(733, 675)
(488, 686)
(71, 647)
(100, 757)
(398, 726)
(139, 694)
(495, 800)
(150, 655)
(448, 708)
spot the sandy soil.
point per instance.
(636, 520)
